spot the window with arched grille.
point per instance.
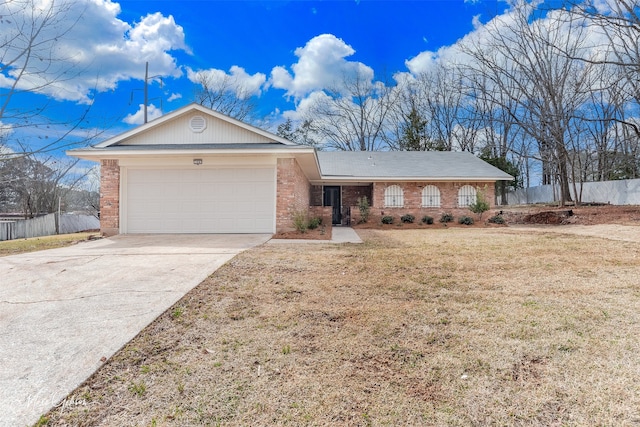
(466, 196)
(430, 197)
(393, 197)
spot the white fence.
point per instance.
(622, 192)
(46, 226)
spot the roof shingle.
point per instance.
(407, 164)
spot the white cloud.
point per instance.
(98, 50)
(237, 81)
(483, 36)
(137, 118)
(174, 96)
(6, 129)
(321, 65)
(305, 106)
(422, 62)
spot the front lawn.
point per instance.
(19, 246)
(413, 327)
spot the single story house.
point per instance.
(195, 170)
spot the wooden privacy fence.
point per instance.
(46, 226)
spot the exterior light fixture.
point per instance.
(197, 162)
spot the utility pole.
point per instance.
(146, 89)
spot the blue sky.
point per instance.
(282, 50)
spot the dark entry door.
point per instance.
(332, 198)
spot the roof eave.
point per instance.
(96, 153)
(413, 178)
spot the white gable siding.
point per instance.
(178, 131)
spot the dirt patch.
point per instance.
(320, 233)
(582, 215)
(413, 327)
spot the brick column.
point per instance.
(109, 197)
(292, 193)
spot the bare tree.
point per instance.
(407, 123)
(35, 186)
(619, 22)
(549, 87)
(304, 133)
(32, 62)
(225, 95)
(352, 116)
(443, 97)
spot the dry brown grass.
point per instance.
(413, 327)
(20, 246)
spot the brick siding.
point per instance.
(292, 193)
(316, 195)
(323, 212)
(109, 197)
(413, 200)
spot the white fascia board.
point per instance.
(93, 154)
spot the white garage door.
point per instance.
(200, 200)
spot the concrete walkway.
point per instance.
(338, 235)
(63, 311)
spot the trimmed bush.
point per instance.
(364, 208)
(427, 219)
(496, 219)
(300, 221)
(480, 206)
(465, 220)
(387, 219)
(446, 217)
(407, 218)
(314, 223)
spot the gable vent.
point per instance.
(198, 124)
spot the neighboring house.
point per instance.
(198, 171)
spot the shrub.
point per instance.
(387, 219)
(497, 219)
(427, 219)
(480, 206)
(314, 223)
(407, 218)
(364, 208)
(465, 220)
(446, 217)
(300, 221)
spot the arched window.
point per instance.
(430, 197)
(393, 197)
(466, 196)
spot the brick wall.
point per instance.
(413, 200)
(351, 194)
(292, 193)
(324, 212)
(109, 197)
(316, 195)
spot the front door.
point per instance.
(332, 198)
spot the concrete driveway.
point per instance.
(63, 310)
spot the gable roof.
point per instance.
(174, 134)
(250, 134)
(406, 165)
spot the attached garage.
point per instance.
(199, 200)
